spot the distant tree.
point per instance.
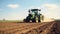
(3, 19)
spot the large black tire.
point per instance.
(39, 21)
(27, 20)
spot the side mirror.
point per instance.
(40, 10)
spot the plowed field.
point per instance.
(30, 28)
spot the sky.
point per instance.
(18, 9)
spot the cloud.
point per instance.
(13, 5)
(51, 10)
(50, 6)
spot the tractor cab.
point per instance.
(34, 11)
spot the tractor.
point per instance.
(34, 16)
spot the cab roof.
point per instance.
(35, 9)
